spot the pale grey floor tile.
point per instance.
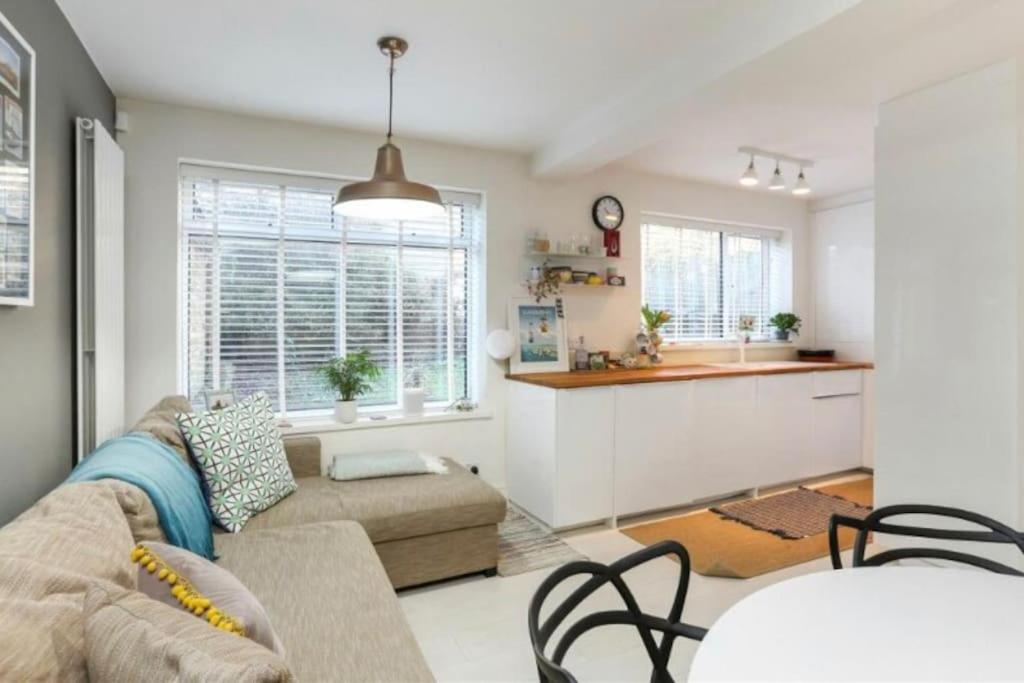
(474, 629)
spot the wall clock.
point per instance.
(608, 213)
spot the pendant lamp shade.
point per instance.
(389, 195)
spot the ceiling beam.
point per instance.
(642, 114)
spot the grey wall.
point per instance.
(37, 344)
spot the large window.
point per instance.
(707, 275)
(275, 284)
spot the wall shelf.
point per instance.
(539, 255)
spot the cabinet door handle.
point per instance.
(852, 393)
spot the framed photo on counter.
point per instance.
(540, 336)
(17, 167)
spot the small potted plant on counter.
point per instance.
(784, 324)
(652, 322)
(350, 376)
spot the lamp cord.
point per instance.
(391, 90)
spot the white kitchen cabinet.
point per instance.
(530, 445)
(837, 433)
(868, 420)
(583, 455)
(584, 443)
(786, 439)
(559, 445)
(653, 446)
(725, 436)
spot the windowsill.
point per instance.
(321, 424)
(709, 345)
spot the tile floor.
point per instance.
(474, 629)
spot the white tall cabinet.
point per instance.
(577, 456)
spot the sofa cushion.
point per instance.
(138, 510)
(161, 423)
(241, 458)
(303, 455)
(392, 508)
(131, 637)
(195, 575)
(329, 599)
(75, 537)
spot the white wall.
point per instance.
(948, 314)
(160, 135)
(843, 271)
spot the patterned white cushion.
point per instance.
(241, 459)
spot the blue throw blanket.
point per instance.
(172, 485)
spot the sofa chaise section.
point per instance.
(329, 600)
(425, 527)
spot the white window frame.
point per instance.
(777, 246)
(328, 182)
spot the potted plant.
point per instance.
(653, 320)
(350, 376)
(784, 324)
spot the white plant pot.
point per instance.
(345, 411)
(412, 401)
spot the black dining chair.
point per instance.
(550, 669)
(876, 522)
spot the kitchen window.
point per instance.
(274, 284)
(708, 274)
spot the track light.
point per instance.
(801, 186)
(778, 182)
(749, 177)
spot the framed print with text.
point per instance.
(17, 167)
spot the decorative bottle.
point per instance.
(582, 357)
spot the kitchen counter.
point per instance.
(675, 373)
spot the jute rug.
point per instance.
(524, 546)
(722, 547)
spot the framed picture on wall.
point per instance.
(540, 336)
(17, 167)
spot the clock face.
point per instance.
(608, 213)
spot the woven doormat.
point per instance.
(792, 515)
(525, 547)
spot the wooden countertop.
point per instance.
(676, 373)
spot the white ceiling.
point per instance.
(670, 86)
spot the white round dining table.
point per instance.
(872, 624)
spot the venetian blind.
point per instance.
(707, 275)
(275, 284)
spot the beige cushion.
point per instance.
(303, 455)
(130, 637)
(138, 510)
(393, 507)
(161, 423)
(75, 537)
(225, 592)
(330, 601)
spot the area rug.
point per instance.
(722, 547)
(524, 546)
(794, 514)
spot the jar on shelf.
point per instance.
(541, 243)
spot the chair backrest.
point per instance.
(876, 522)
(550, 668)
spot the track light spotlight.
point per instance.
(801, 186)
(749, 177)
(778, 182)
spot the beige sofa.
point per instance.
(324, 563)
(424, 528)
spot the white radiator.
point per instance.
(100, 267)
